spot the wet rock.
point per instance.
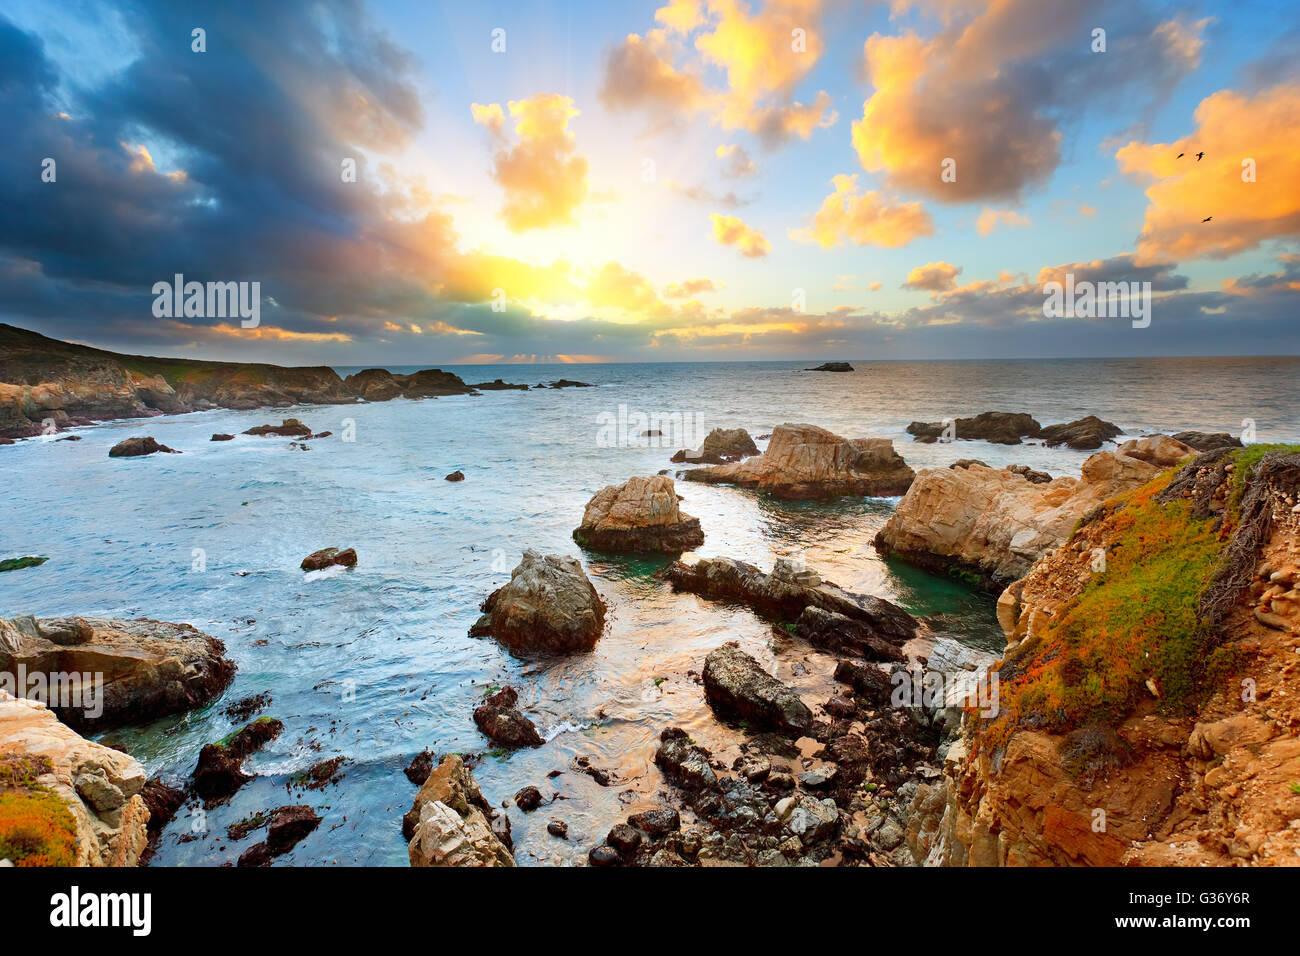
(604, 855)
(549, 605)
(656, 823)
(259, 854)
(420, 766)
(754, 767)
(327, 557)
(219, 773)
(17, 564)
(149, 669)
(456, 476)
(640, 515)
(808, 818)
(451, 824)
(736, 686)
(219, 436)
(136, 447)
(162, 802)
(528, 799)
(503, 723)
(624, 839)
(999, 428)
(720, 446)
(288, 826)
(834, 632)
(1084, 433)
(867, 680)
(289, 427)
(807, 462)
(1029, 474)
(498, 385)
(683, 762)
(558, 828)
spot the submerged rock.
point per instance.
(737, 687)
(503, 723)
(549, 605)
(136, 447)
(327, 557)
(804, 461)
(451, 824)
(637, 516)
(148, 668)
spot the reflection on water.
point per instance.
(121, 536)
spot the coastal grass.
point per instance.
(36, 829)
(1134, 626)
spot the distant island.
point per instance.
(832, 367)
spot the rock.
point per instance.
(221, 436)
(999, 428)
(788, 592)
(17, 564)
(656, 823)
(683, 762)
(640, 515)
(1208, 441)
(1084, 433)
(1029, 474)
(1159, 450)
(720, 445)
(604, 855)
(420, 766)
(808, 818)
(289, 427)
(497, 385)
(136, 447)
(549, 605)
(456, 476)
(528, 799)
(163, 802)
(804, 461)
(967, 462)
(736, 686)
(288, 826)
(452, 824)
(558, 828)
(328, 557)
(991, 525)
(566, 383)
(380, 385)
(259, 854)
(839, 634)
(868, 681)
(503, 723)
(82, 800)
(832, 367)
(624, 839)
(220, 773)
(148, 669)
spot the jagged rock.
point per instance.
(787, 592)
(684, 762)
(1084, 433)
(48, 765)
(736, 686)
(998, 428)
(992, 524)
(288, 826)
(639, 515)
(548, 605)
(503, 723)
(137, 447)
(288, 427)
(498, 385)
(804, 461)
(720, 445)
(1207, 441)
(839, 634)
(220, 772)
(380, 385)
(328, 557)
(148, 668)
(657, 822)
(451, 824)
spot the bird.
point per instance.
(1207, 219)
(1181, 155)
(1200, 155)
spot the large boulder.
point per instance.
(639, 515)
(1159, 450)
(548, 605)
(720, 445)
(990, 525)
(148, 668)
(804, 461)
(69, 801)
(737, 687)
(1084, 433)
(451, 824)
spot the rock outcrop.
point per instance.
(990, 525)
(1207, 441)
(138, 447)
(288, 428)
(380, 385)
(220, 771)
(1010, 428)
(831, 367)
(451, 824)
(1084, 433)
(804, 461)
(1159, 450)
(148, 668)
(737, 687)
(549, 605)
(720, 446)
(65, 800)
(639, 515)
(504, 724)
(329, 557)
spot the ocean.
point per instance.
(374, 663)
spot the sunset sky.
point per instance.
(650, 182)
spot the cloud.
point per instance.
(730, 231)
(618, 287)
(639, 75)
(702, 194)
(738, 162)
(1231, 128)
(864, 219)
(933, 277)
(543, 176)
(989, 219)
(684, 290)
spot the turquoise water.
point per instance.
(121, 536)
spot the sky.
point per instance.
(689, 180)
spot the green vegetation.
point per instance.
(13, 564)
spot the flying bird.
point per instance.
(1207, 219)
(1199, 155)
(1181, 155)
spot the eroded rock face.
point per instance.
(720, 445)
(549, 605)
(451, 824)
(807, 462)
(99, 786)
(639, 515)
(993, 524)
(737, 687)
(149, 668)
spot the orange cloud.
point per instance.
(618, 287)
(738, 161)
(543, 176)
(989, 219)
(864, 219)
(684, 290)
(731, 231)
(1237, 132)
(933, 277)
(271, 333)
